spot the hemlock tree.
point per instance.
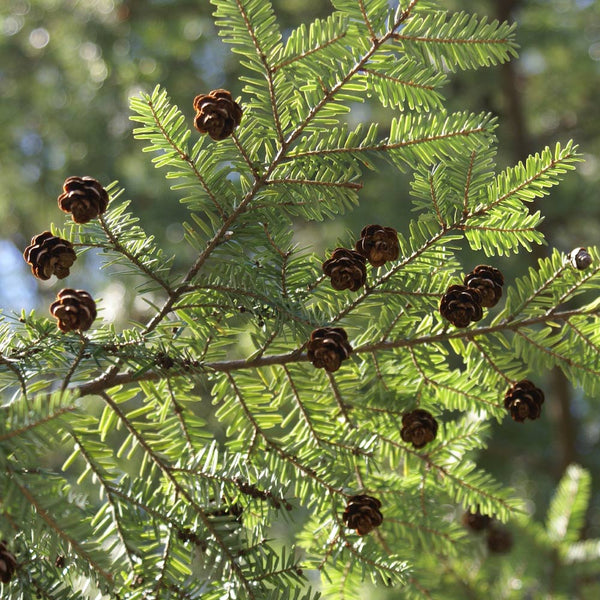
(349, 390)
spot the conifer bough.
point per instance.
(174, 509)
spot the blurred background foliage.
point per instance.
(68, 67)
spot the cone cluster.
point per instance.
(362, 514)
(217, 114)
(47, 254)
(347, 267)
(328, 347)
(499, 540)
(84, 198)
(475, 521)
(463, 304)
(488, 281)
(524, 400)
(419, 427)
(8, 563)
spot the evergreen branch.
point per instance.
(437, 384)
(436, 206)
(557, 356)
(227, 366)
(265, 345)
(489, 360)
(118, 247)
(409, 83)
(281, 154)
(165, 561)
(401, 313)
(167, 472)
(386, 147)
(303, 55)
(367, 21)
(500, 229)
(109, 496)
(316, 282)
(15, 369)
(47, 518)
(339, 400)
(301, 408)
(38, 423)
(330, 94)
(284, 257)
(132, 501)
(445, 472)
(450, 40)
(373, 563)
(184, 156)
(246, 293)
(320, 441)
(539, 177)
(589, 343)
(75, 363)
(267, 68)
(465, 211)
(589, 274)
(242, 150)
(537, 292)
(276, 447)
(396, 268)
(421, 527)
(342, 184)
(207, 343)
(378, 371)
(178, 410)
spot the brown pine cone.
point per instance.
(499, 539)
(74, 309)
(524, 401)
(84, 197)
(378, 244)
(475, 521)
(8, 563)
(347, 269)
(217, 114)
(580, 258)
(461, 305)
(328, 347)
(489, 281)
(60, 561)
(419, 427)
(49, 255)
(362, 513)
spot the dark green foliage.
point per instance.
(182, 444)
